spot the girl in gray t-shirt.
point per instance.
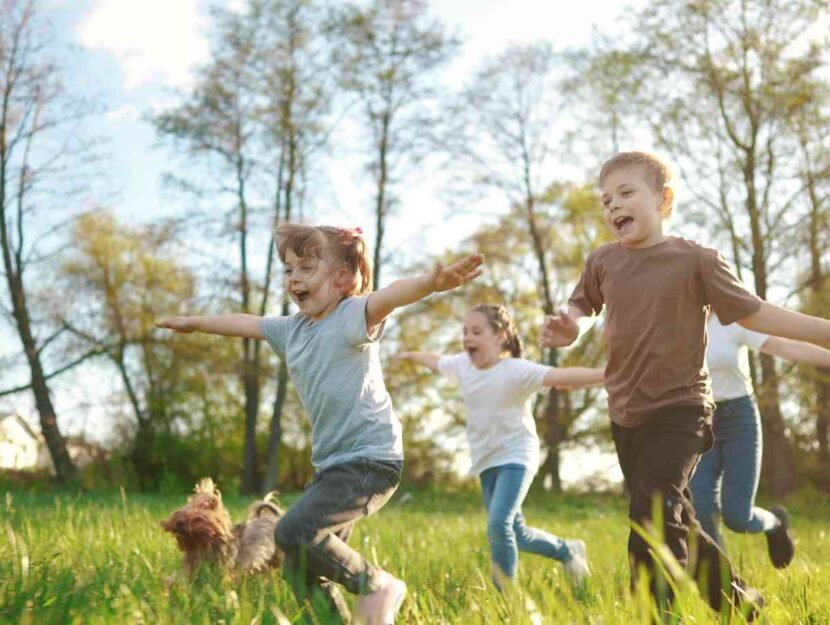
(331, 350)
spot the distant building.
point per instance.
(23, 449)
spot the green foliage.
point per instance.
(104, 559)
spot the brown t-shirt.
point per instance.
(655, 322)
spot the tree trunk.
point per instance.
(251, 383)
(779, 458)
(272, 473)
(250, 379)
(380, 202)
(552, 416)
(55, 442)
(272, 453)
(147, 468)
(823, 426)
(554, 435)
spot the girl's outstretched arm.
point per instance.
(409, 290)
(789, 324)
(245, 326)
(797, 351)
(574, 377)
(427, 359)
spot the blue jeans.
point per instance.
(504, 489)
(726, 478)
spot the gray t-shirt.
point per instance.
(335, 366)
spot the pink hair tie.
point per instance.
(359, 230)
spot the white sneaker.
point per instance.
(577, 568)
(381, 607)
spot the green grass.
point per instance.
(104, 559)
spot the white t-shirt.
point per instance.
(727, 358)
(500, 426)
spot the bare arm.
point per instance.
(245, 326)
(574, 377)
(562, 329)
(788, 324)
(797, 351)
(427, 359)
(409, 290)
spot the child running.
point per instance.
(497, 384)
(726, 478)
(331, 350)
(656, 290)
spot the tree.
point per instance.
(387, 55)
(297, 95)
(500, 139)
(121, 280)
(811, 126)
(38, 141)
(217, 126)
(256, 118)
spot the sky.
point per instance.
(136, 55)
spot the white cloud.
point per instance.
(154, 40)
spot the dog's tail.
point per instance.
(270, 504)
(206, 485)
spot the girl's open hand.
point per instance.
(559, 330)
(454, 275)
(177, 324)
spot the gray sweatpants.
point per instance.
(314, 531)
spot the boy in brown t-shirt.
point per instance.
(656, 291)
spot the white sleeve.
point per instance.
(529, 376)
(450, 365)
(753, 340)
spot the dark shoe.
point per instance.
(780, 541)
(747, 601)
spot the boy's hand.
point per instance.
(177, 324)
(559, 330)
(450, 277)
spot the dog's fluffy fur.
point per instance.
(204, 532)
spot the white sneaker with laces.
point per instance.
(577, 568)
(381, 607)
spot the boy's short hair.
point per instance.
(658, 173)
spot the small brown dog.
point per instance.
(203, 529)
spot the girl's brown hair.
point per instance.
(340, 245)
(501, 321)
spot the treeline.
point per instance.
(736, 93)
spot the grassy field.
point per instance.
(104, 559)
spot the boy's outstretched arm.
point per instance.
(789, 324)
(409, 290)
(561, 329)
(241, 325)
(427, 359)
(574, 377)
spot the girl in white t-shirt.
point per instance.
(502, 434)
(726, 477)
